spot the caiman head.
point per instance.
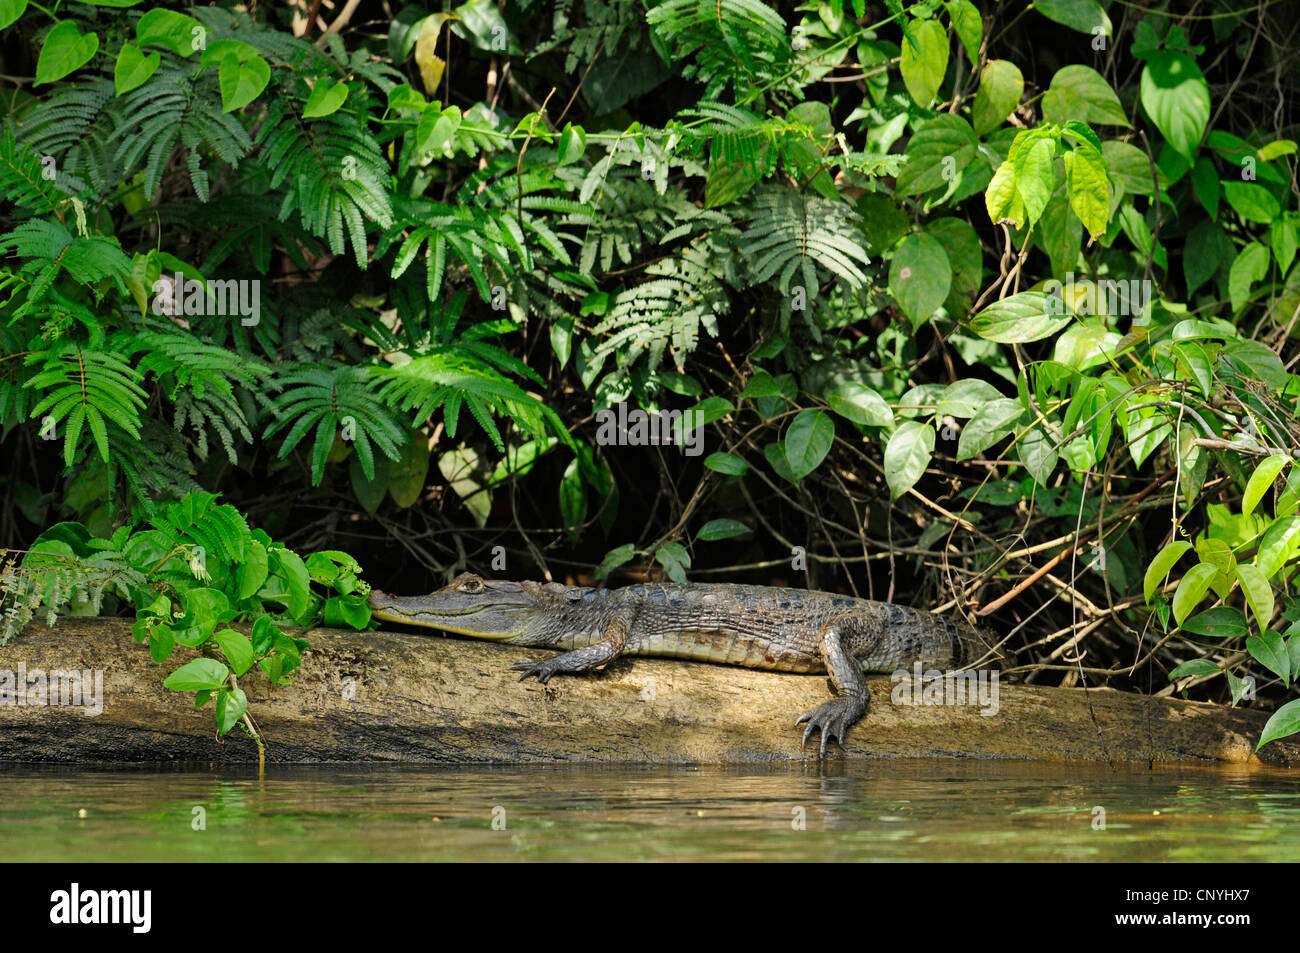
(468, 605)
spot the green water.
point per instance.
(885, 810)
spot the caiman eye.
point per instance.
(472, 585)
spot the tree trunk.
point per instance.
(386, 696)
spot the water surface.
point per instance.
(864, 811)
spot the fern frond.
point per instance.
(790, 231)
(87, 389)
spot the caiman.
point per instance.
(764, 627)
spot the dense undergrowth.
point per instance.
(985, 308)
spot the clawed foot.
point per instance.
(543, 669)
(832, 719)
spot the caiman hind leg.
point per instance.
(613, 639)
(834, 718)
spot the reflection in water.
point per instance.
(882, 810)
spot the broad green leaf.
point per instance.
(201, 673)
(1270, 651)
(241, 83)
(1039, 454)
(133, 68)
(675, 560)
(1177, 98)
(1223, 622)
(1261, 481)
(919, 277)
(408, 474)
(968, 25)
(236, 648)
(1085, 16)
(231, 705)
(1089, 187)
(1000, 89)
(1250, 266)
(10, 11)
(573, 144)
(1278, 148)
(1080, 92)
(1196, 666)
(1191, 590)
(1279, 544)
(325, 99)
(1027, 316)
(66, 49)
(1252, 201)
(573, 497)
(615, 558)
(808, 441)
(350, 611)
(1034, 172)
(907, 455)
(1284, 237)
(923, 65)
(1259, 594)
(161, 643)
(1161, 565)
(860, 404)
(722, 529)
(1282, 723)
(1205, 184)
(937, 152)
(727, 463)
(1002, 199)
(993, 422)
(181, 34)
(964, 397)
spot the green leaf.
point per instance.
(1223, 622)
(1205, 184)
(1261, 481)
(1027, 316)
(808, 441)
(350, 611)
(1196, 666)
(573, 144)
(231, 705)
(1252, 201)
(237, 649)
(675, 560)
(10, 11)
(1282, 723)
(1039, 454)
(1250, 266)
(66, 49)
(860, 404)
(939, 147)
(201, 673)
(408, 474)
(1269, 650)
(1088, 187)
(241, 83)
(133, 68)
(1080, 92)
(727, 463)
(1002, 199)
(323, 101)
(968, 25)
(613, 559)
(1000, 89)
(181, 34)
(573, 496)
(993, 422)
(161, 643)
(1161, 565)
(1085, 16)
(924, 59)
(722, 529)
(1279, 545)
(1177, 98)
(1191, 590)
(919, 277)
(1035, 175)
(1259, 594)
(907, 455)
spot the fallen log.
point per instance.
(389, 696)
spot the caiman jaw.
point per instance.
(468, 606)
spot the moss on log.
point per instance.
(388, 696)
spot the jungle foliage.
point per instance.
(985, 304)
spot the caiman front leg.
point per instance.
(834, 718)
(610, 646)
